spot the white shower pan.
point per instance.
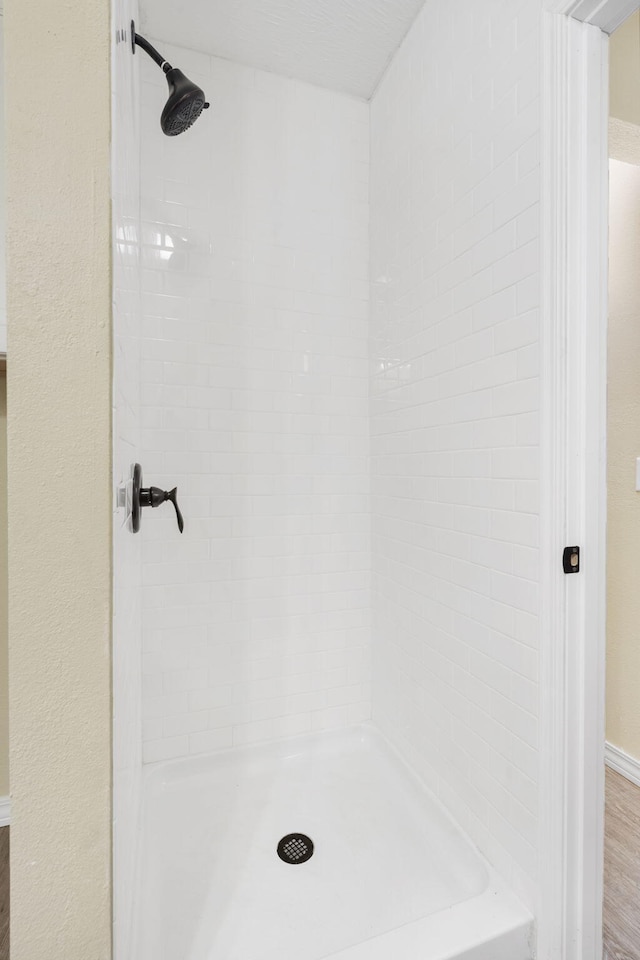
(391, 876)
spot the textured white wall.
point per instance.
(60, 488)
(254, 392)
(455, 272)
(3, 214)
(624, 71)
(127, 549)
(623, 396)
(4, 583)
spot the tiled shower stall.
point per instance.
(335, 360)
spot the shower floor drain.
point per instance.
(295, 848)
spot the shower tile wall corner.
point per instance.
(455, 398)
(256, 622)
(127, 553)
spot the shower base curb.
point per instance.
(492, 926)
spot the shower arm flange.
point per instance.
(138, 40)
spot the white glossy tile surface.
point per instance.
(255, 403)
(455, 401)
(385, 855)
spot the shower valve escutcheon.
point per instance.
(150, 497)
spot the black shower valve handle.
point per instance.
(154, 496)
(149, 497)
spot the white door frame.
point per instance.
(573, 449)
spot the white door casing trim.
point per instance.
(573, 490)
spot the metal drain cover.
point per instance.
(295, 848)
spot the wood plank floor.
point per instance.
(622, 869)
(4, 893)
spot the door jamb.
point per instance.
(573, 453)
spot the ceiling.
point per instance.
(340, 44)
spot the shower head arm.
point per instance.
(186, 100)
(137, 40)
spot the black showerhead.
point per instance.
(185, 104)
(186, 100)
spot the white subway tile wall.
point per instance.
(256, 622)
(127, 552)
(455, 334)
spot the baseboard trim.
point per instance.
(5, 811)
(622, 763)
